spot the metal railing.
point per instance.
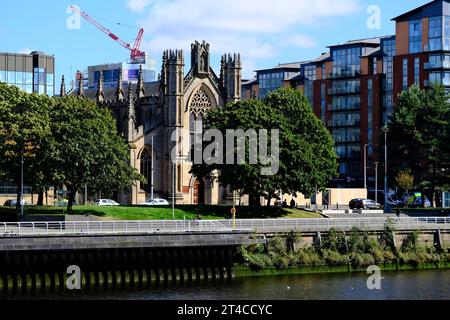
(110, 227)
(286, 225)
(253, 225)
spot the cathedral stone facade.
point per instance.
(148, 114)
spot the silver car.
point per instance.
(156, 202)
(106, 202)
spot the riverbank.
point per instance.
(339, 251)
(240, 271)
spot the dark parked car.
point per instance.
(355, 203)
(364, 204)
(13, 203)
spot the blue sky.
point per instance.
(265, 32)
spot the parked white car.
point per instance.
(156, 202)
(106, 202)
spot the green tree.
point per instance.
(24, 126)
(87, 149)
(306, 153)
(419, 136)
(405, 180)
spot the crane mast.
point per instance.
(136, 55)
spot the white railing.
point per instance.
(253, 225)
(109, 227)
(283, 225)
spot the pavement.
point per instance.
(365, 215)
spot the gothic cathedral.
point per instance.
(148, 114)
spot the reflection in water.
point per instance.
(425, 284)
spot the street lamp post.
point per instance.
(385, 129)
(21, 186)
(151, 185)
(376, 182)
(174, 161)
(365, 166)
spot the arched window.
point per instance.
(198, 108)
(200, 103)
(146, 168)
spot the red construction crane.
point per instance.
(136, 56)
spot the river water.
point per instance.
(403, 285)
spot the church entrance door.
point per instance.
(199, 192)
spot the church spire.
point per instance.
(80, 91)
(62, 90)
(140, 90)
(119, 90)
(100, 95)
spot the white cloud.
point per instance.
(299, 41)
(257, 29)
(138, 5)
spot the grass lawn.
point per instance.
(165, 213)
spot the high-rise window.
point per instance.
(370, 111)
(269, 82)
(435, 33)
(405, 74)
(416, 71)
(347, 61)
(415, 36)
(310, 76)
(323, 102)
(388, 46)
(446, 33)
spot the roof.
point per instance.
(368, 41)
(290, 65)
(430, 5)
(322, 58)
(248, 82)
(151, 88)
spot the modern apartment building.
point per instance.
(354, 86)
(423, 46)
(34, 72)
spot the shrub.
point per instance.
(378, 255)
(258, 261)
(279, 261)
(361, 260)
(277, 245)
(335, 241)
(389, 256)
(307, 258)
(334, 258)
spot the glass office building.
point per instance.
(33, 73)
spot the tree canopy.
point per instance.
(419, 137)
(65, 140)
(306, 155)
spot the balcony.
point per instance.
(348, 107)
(343, 74)
(344, 91)
(341, 124)
(438, 65)
(348, 139)
(444, 82)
